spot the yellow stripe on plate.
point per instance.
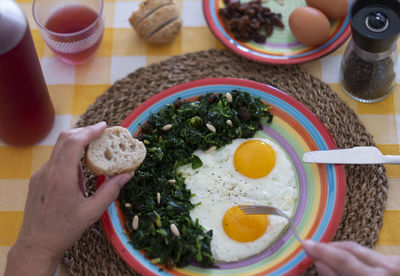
(390, 231)
(314, 169)
(10, 223)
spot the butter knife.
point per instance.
(356, 155)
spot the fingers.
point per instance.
(106, 194)
(371, 257)
(340, 260)
(325, 270)
(71, 143)
(364, 254)
(81, 183)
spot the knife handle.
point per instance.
(391, 159)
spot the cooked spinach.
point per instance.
(171, 136)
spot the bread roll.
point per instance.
(115, 152)
(157, 21)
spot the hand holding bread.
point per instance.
(115, 152)
(57, 210)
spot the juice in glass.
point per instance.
(72, 30)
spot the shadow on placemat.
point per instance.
(366, 184)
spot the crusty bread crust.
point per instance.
(157, 21)
(115, 152)
(164, 35)
(146, 7)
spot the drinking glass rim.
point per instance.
(68, 34)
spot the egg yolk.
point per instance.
(244, 228)
(254, 159)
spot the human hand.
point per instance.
(56, 211)
(349, 258)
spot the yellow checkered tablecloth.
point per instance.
(73, 89)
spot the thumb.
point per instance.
(107, 193)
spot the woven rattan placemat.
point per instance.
(366, 184)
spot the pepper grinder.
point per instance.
(368, 66)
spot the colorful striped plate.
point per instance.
(321, 187)
(281, 47)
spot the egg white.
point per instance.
(218, 186)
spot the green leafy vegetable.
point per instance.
(196, 162)
(167, 149)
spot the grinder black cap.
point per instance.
(375, 24)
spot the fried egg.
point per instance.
(247, 171)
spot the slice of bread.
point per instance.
(114, 152)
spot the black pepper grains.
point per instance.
(368, 66)
(368, 77)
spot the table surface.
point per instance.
(121, 52)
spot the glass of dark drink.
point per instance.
(73, 29)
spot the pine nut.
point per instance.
(135, 222)
(172, 181)
(128, 205)
(155, 260)
(229, 122)
(228, 97)
(211, 128)
(174, 230)
(210, 150)
(167, 127)
(158, 198)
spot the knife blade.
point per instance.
(356, 155)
